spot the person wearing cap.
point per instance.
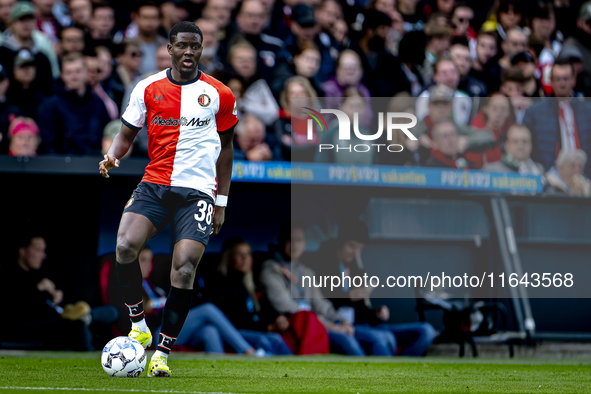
(22, 92)
(305, 29)
(441, 101)
(560, 123)
(447, 74)
(24, 137)
(582, 40)
(382, 70)
(251, 21)
(8, 111)
(342, 256)
(22, 33)
(532, 87)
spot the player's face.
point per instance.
(186, 52)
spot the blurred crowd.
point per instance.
(244, 302)
(498, 85)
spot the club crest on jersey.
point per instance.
(204, 100)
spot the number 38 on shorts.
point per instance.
(205, 212)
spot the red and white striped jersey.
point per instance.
(184, 120)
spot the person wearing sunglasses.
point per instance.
(129, 62)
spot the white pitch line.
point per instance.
(110, 389)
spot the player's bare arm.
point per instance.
(224, 173)
(119, 147)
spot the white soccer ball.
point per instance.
(123, 357)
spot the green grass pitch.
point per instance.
(59, 372)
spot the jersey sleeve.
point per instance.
(227, 115)
(134, 116)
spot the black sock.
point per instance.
(130, 280)
(175, 312)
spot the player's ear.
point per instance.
(169, 47)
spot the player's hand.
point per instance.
(219, 216)
(108, 163)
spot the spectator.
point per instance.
(517, 157)
(485, 67)
(447, 74)
(233, 290)
(22, 35)
(306, 63)
(348, 75)
(438, 42)
(581, 40)
(8, 111)
(460, 56)
(282, 273)
(22, 92)
(543, 26)
(220, 11)
(461, 17)
(291, 129)
(145, 29)
(73, 118)
(23, 135)
(411, 54)
(252, 143)
(382, 70)
(327, 14)
(46, 21)
(413, 17)
(560, 124)
(81, 13)
(92, 65)
(251, 21)
(513, 86)
(305, 29)
(515, 43)
(5, 8)
(129, 61)
(340, 32)
(531, 85)
(574, 56)
(497, 115)
(71, 41)
(101, 26)
(352, 103)
(342, 256)
(43, 300)
(444, 152)
(566, 177)
(173, 12)
(210, 61)
(441, 109)
(401, 103)
(509, 15)
(257, 98)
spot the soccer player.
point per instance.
(191, 119)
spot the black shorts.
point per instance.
(189, 211)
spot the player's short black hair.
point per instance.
(184, 27)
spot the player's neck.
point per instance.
(179, 77)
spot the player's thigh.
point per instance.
(193, 218)
(144, 215)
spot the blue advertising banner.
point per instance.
(385, 176)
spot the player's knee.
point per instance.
(182, 276)
(127, 251)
